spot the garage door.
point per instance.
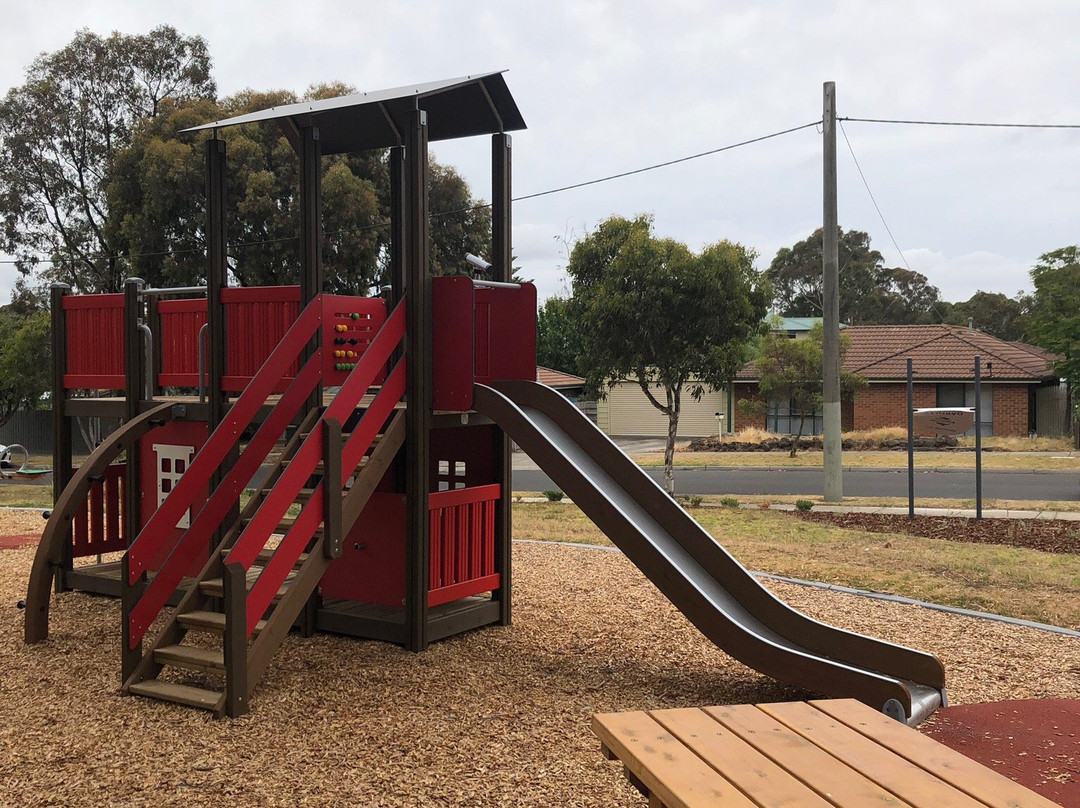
(631, 413)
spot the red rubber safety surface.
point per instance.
(15, 542)
(1035, 742)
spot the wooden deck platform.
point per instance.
(837, 753)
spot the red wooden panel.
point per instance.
(505, 333)
(349, 326)
(95, 341)
(452, 343)
(98, 527)
(372, 566)
(178, 337)
(256, 320)
(465, 589)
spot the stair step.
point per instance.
(214, 588)
(192, 658)
(213, 622)
(264, 556)
(176, 693)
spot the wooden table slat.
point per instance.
(753, 773)
(891, 772)
(983, 784)
(676, 776)
(812, 765)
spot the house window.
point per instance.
(784, 417)
(958, 394)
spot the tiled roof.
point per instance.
(880, 353)
(557, 379)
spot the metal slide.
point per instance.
(715, 592)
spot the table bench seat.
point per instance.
(837, 753)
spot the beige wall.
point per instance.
(627, 411)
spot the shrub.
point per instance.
(553, 496)
(729, 502)
(804, 504)
(692, 501)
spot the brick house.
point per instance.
(1021, 394)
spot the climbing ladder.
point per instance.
(264, 567)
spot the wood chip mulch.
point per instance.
(498, 717)
(1047, 535)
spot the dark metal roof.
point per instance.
(461, 107)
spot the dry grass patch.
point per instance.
(1003, 461)
(1011, 581)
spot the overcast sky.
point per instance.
(607, 87)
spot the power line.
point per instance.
(967, 123)
(668, 162)
(487, 204)
(878, 209)
(871, 194)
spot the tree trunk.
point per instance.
(672, 431)
(795, 443)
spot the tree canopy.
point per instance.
(1055, 310)
(558, 338)
(59, 136)
(792, 370)
(870, 292)
(652, 311)
(97, 182)
(24, 360)
(1000, 316)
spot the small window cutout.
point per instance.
(166, 485)
(166, 465)
(459, 485)
(444, 467)
(444, 486)
(459, 469)
(180, 466)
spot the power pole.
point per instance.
(832, 449)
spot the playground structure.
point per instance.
(398, 415)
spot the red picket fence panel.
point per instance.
(99, 527)
(462, 543)
(178, 338)
(95, 342)
(256, 319)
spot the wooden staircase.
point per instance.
(202, 657)
(263, 571)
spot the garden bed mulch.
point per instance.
(1047, 535)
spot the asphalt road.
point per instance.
(1058, 486)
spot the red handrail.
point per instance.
(213, 452)
(196, 538)
(284, 493)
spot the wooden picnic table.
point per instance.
(839, 753)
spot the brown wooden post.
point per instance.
(217, 278)
(234, 586)
(61, 423)
(332, 538)
(135, 375)
(129, 596)
(398, 235)
(418, 382)
(311, 268)
(502, 259)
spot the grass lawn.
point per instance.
(853, 459)
(1003, 580)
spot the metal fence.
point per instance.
(34, 430)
